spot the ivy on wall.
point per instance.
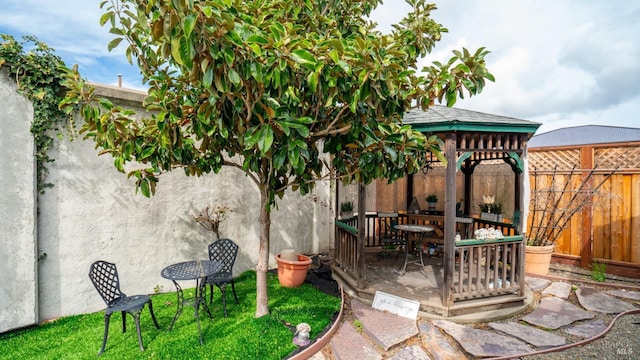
(36, 71)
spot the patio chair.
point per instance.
(225, 251)
(389, 236)
(104, 277)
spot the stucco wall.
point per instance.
(17, 209)
(93, 212)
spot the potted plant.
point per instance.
(432, 200)
(551, 209)
(292, 268)
(487, 208)
(346, 209)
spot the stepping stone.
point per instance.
(348, 344)
(534, 336)
(588, 329)
(438, 344)
(553, 313)
(594, 300)
(536, 284)
(412, 352)
(483, 343)
(627, 294)
(385, 328)
(558, 289)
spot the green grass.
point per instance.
(599, 272)
(240, 336)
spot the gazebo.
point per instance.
(477, 273)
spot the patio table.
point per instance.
(407, 229)
(191, 270)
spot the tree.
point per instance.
(271, 87)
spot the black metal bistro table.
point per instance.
(421, 230)
(191, 270)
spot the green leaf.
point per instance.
(257, 39)
(265, 139)
(144, 187)
(114, 43)
(303, 57)
(312, 79)
(148, 151)
(207, 78)
(234, 77)
(188, 24)
(175, 50)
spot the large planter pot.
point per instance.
(537, 259)
(291, 273)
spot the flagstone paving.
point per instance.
(555, 321)
(553, 313)
(588, 329)
(593, 300)
(558, 289)
(483, 343)
(632, 295)
(536, 337)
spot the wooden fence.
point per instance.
(608, 229)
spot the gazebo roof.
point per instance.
(440, 118)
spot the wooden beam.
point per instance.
(449, 218)
(586, 162)
(362, 222)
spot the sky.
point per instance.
(562, 63)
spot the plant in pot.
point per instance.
(488, 208)
(292, 268)
(346, 209)
(432, 200)
(554, 202)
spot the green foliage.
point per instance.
(599, 272)
(38, 75)
(346, 206)
(287, 91)
(268, 80)
(432, 198)
(239, 336)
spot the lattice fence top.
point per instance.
(557, 159)
(627, 157)
(617, 157)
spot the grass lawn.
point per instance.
(240, 336)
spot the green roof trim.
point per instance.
(471, 127)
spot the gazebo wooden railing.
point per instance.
(346, 246)
(483, 268)
(486, 268)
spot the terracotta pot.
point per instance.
(292, 273)
(537, 259)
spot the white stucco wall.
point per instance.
(17, 209)
(93, 213)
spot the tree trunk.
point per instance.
(262, 297)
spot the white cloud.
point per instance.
(559, 62)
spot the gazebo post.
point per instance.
(362, 222)
(449, 218)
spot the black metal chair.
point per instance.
(104, 277)
(225, 251)
(390, 238)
